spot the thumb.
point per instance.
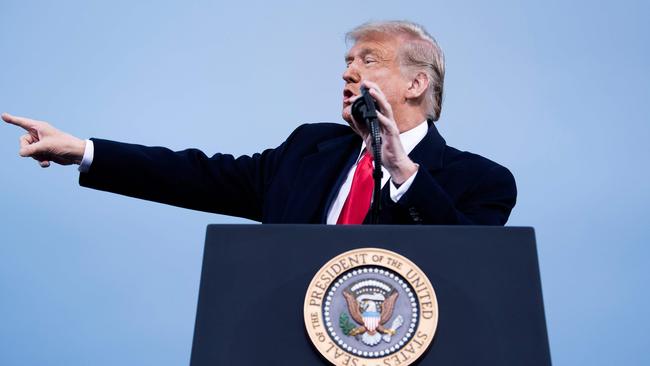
(32, 149)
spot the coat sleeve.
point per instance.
(221, 183)
(488, 202)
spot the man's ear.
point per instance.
(417, 86)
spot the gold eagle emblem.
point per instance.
(370, 315)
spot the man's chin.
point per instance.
(348, 118)
(346, 114)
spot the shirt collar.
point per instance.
(409, 138)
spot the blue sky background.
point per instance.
(557, 91)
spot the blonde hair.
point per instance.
(420, 53)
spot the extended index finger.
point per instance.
(23, 122)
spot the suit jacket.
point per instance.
(297, 181)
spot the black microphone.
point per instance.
(364, 110)
(364, 107)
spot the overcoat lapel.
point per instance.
(429, 152)
(318, 178)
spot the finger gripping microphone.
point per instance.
(365, 109)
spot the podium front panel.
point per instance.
(255, 277)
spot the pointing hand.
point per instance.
(45, 143)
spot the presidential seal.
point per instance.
(371, 307)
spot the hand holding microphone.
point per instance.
(364, 110)
(393, 156)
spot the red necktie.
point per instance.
(358, 202)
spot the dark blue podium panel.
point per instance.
(255, 277)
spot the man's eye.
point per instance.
(369, 60)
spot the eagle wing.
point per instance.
(353, 307)
(387, 308)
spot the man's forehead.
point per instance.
(383, 46)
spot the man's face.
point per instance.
(373, 59)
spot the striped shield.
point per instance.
(371, 320)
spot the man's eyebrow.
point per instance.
(362, 53)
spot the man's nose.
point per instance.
(351, 74)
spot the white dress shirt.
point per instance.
(89, 154)
(409, 140)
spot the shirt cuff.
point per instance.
(89, 154)
(397, 193)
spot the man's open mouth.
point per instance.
(347, 94)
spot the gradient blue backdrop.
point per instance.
(557, 91)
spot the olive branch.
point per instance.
(345, 324)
